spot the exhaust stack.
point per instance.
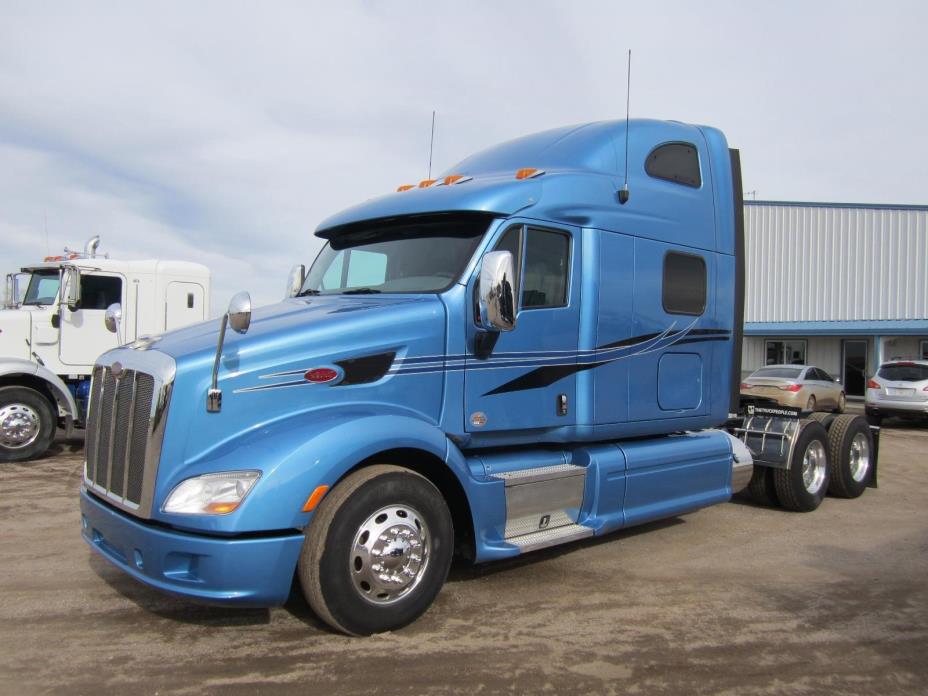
(90, 248)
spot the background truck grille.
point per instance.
(122, 441)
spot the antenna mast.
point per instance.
(431, 145)
(623, 193)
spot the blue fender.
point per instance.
(297, 454)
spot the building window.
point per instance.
(676, 162)
(786, 352)
(684, 289)
(99, 292)
(924, 350)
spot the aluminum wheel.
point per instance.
(814, 467)
(19, 425)
(390, 554)
(860, 457)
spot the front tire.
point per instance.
(851, 456)
(377, 551)
(27, 424)
(803, 485)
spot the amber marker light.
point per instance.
(455, 179)
(529, 173)
(425, 183)
(313, 500)
(221, 508)
(405, 187)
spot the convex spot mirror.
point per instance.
(295, 280)
(113, 317)
(240, 312)
(497, 292)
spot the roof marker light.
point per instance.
(529, 173)
(455, 179)
(405, 187)
(425, 183)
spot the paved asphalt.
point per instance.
(734, 599)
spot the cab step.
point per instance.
(543, 505)
(550, 537)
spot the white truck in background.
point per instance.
(52, 328)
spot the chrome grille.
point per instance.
(123, 440)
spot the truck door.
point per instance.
(83, 334)
(184, 305)
(528, 379)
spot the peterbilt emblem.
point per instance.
(116, 369)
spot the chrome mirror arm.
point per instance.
(214, 395)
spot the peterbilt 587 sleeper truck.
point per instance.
(52, 328)
(518, 354)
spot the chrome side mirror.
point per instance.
(497, 294)
(238, 316)
(240, 312)
(295, 280)
(113, 320)
(73, 283)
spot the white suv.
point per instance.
(899, 388)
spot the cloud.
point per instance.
(223, 132)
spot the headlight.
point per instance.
(211, 494)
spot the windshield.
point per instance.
(904, 372)
(405, 257)
(42, 290)
(779, 372)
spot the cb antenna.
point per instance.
(431, 145)
(623, 192)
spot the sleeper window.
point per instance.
(684, 284)
(676, 162)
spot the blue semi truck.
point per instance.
(536, 347)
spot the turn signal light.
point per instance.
(873, 384)
(745, 385)
(529, 173)
(221, 508)
(318, 375)
(791, 387)
(405, 187)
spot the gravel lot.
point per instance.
(733, 599)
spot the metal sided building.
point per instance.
(841, 286)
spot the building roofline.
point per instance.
(820, 204)
(873, 327)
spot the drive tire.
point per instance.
(761, 489)
(23, 402)
(794, 491)
(849, 440)
(329, 579)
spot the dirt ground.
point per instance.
(734, 599)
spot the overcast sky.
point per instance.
(224, 132)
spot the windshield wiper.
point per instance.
(309, 291)
(360, 291)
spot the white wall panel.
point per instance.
(823, 263)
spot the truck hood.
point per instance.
(281, 332)
(15, 333)
(365, 339)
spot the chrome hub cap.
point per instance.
(860, 457)
(813, 467)
(389, 554)
(19, 426)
